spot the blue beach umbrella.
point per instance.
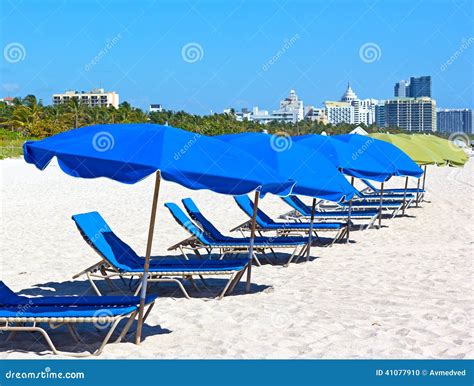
(384, 152)
(343, 157)
(314, 175)
(130, 152)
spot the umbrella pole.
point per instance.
(310, 236)
(417, 192)
(349, 215)
(252, 239)
(147, 257)
(424, 178)
(405, 196)
(381, 202)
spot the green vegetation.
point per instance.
(11, 144)
(28, 118)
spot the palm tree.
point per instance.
(76, 109)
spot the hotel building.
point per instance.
(95, 97)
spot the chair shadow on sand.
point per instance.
(91, 337)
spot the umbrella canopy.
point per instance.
(129, 152)
(315, 176)
(407, 143)
(342, 157)
(384, 152)
(447, 150)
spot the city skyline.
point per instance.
(205, 56)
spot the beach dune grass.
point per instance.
(11, 143)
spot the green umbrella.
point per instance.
(415, 149)
(452, 154)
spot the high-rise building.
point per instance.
(420, 87)
(401, 89)
(380, 114)
(455, 120)
(351, 109)
(95, 97)
(291, 104)
(412, 114)
(416, 87)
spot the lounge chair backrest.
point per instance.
(187, 223)
(296, 204)
(246, 204)
(369, 184)
(7, 296)
(197, 216)
(99, 236)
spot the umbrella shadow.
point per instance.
(90, 337)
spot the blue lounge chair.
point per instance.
(371, 189)
(301, 212)
(207, 237)
(119, 260)
(25, 314)
(265, 223)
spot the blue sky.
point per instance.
(247, 53)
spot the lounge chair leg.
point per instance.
(46, 337)
(107, 337)
(193, 283)
(126, 327)
(291, 257)
(74, 333)
(180, 285)
(257, 261)
(237, 279)
(229, 282)
(203, 281)
(94, 287)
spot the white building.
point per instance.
(95, 97)
(315, 114)
(291, 104)
(351, 109)
(155, 108)
(339, 112)
(291, 111)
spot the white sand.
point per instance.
(405, 291)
